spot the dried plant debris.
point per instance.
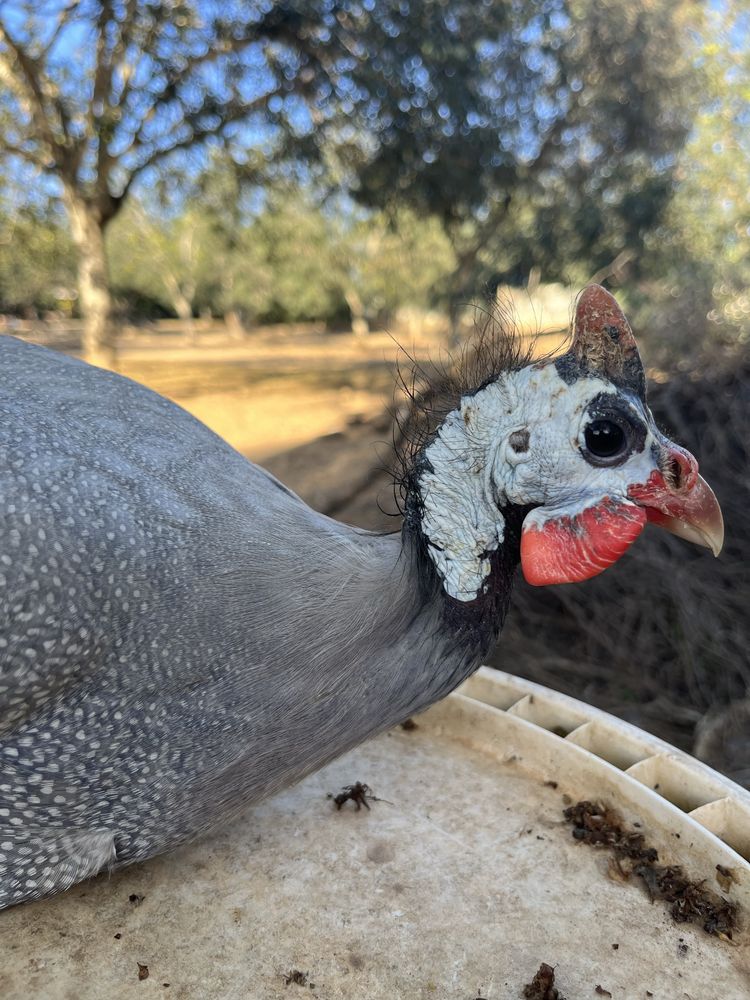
(725, 877)
(601, 992)
(358, 793)
(600, 826)
(542, 986)
(296, 977)
(691, 902)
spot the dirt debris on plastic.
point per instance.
(691, 902)
(436, 890)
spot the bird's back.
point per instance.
(166, 624)
(113, 500)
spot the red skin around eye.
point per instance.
(576, 547)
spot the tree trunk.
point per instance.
(459, 297)
(232, 318)
(182, 302)
(360, 326)
(455, 308)
(234, 324)
(184, 308)
(99, 340)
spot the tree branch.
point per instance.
(144, 44)
(62, 18)
(197, 133)
(100, 100)
(103, 67)
(34, 81)
(30, 156)
(176, 77)
(274, 26)
(105, 75)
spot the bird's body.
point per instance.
(181, 635)
(165, 604)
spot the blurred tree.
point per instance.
(240, 286)
(37, 260)
(295, 238)
(162, 258)
(384, 261)
(546, 141)
(699, 257)
(460, 108)
(95, 92)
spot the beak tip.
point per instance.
(717, 545)
(716, 535)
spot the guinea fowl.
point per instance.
(181, 635)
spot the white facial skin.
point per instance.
(476, 469)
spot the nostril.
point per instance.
(674, 472)
(681, 470)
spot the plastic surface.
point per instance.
(461, 883)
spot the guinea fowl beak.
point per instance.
(696, 517)
(678, 499)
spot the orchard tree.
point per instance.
(702, 248)
(229, 193)
(553, 146)
(387, 260)
(200, 251)
(296, 243)
(162, 258)
(455, 107)
(36, 259)
(97, 93)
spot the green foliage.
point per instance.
(239, 279)
(37, 261)
(290, 259)
(698, 258)
(387, 261)
(294, 236)
(559, 127)
(160, 258)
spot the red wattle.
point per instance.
(571, 548)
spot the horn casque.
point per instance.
(603, 343)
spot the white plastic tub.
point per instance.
(460, 884)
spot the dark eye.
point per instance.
(605, 439)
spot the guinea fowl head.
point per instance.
(559, 460)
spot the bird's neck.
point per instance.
(473, 625)
(460, 517)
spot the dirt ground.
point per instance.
(267, 395)
(314, 409)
